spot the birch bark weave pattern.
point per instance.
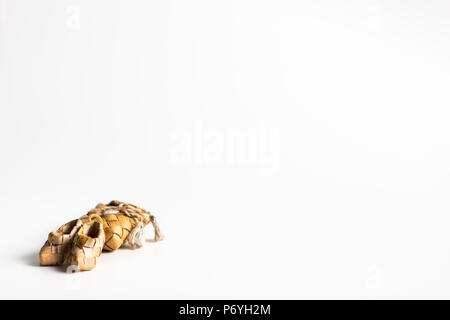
(80, 242)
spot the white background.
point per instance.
(289, 149)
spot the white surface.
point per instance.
(289, 149)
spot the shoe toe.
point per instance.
(72, 268)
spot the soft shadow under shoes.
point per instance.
(59, 243)
(87, 246)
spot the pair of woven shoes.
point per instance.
(76, 244)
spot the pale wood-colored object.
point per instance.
(86, 247)
(80, 242)
(58, 243)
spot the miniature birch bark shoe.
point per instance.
(58, 243)
(124, 223)
(87, 246)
